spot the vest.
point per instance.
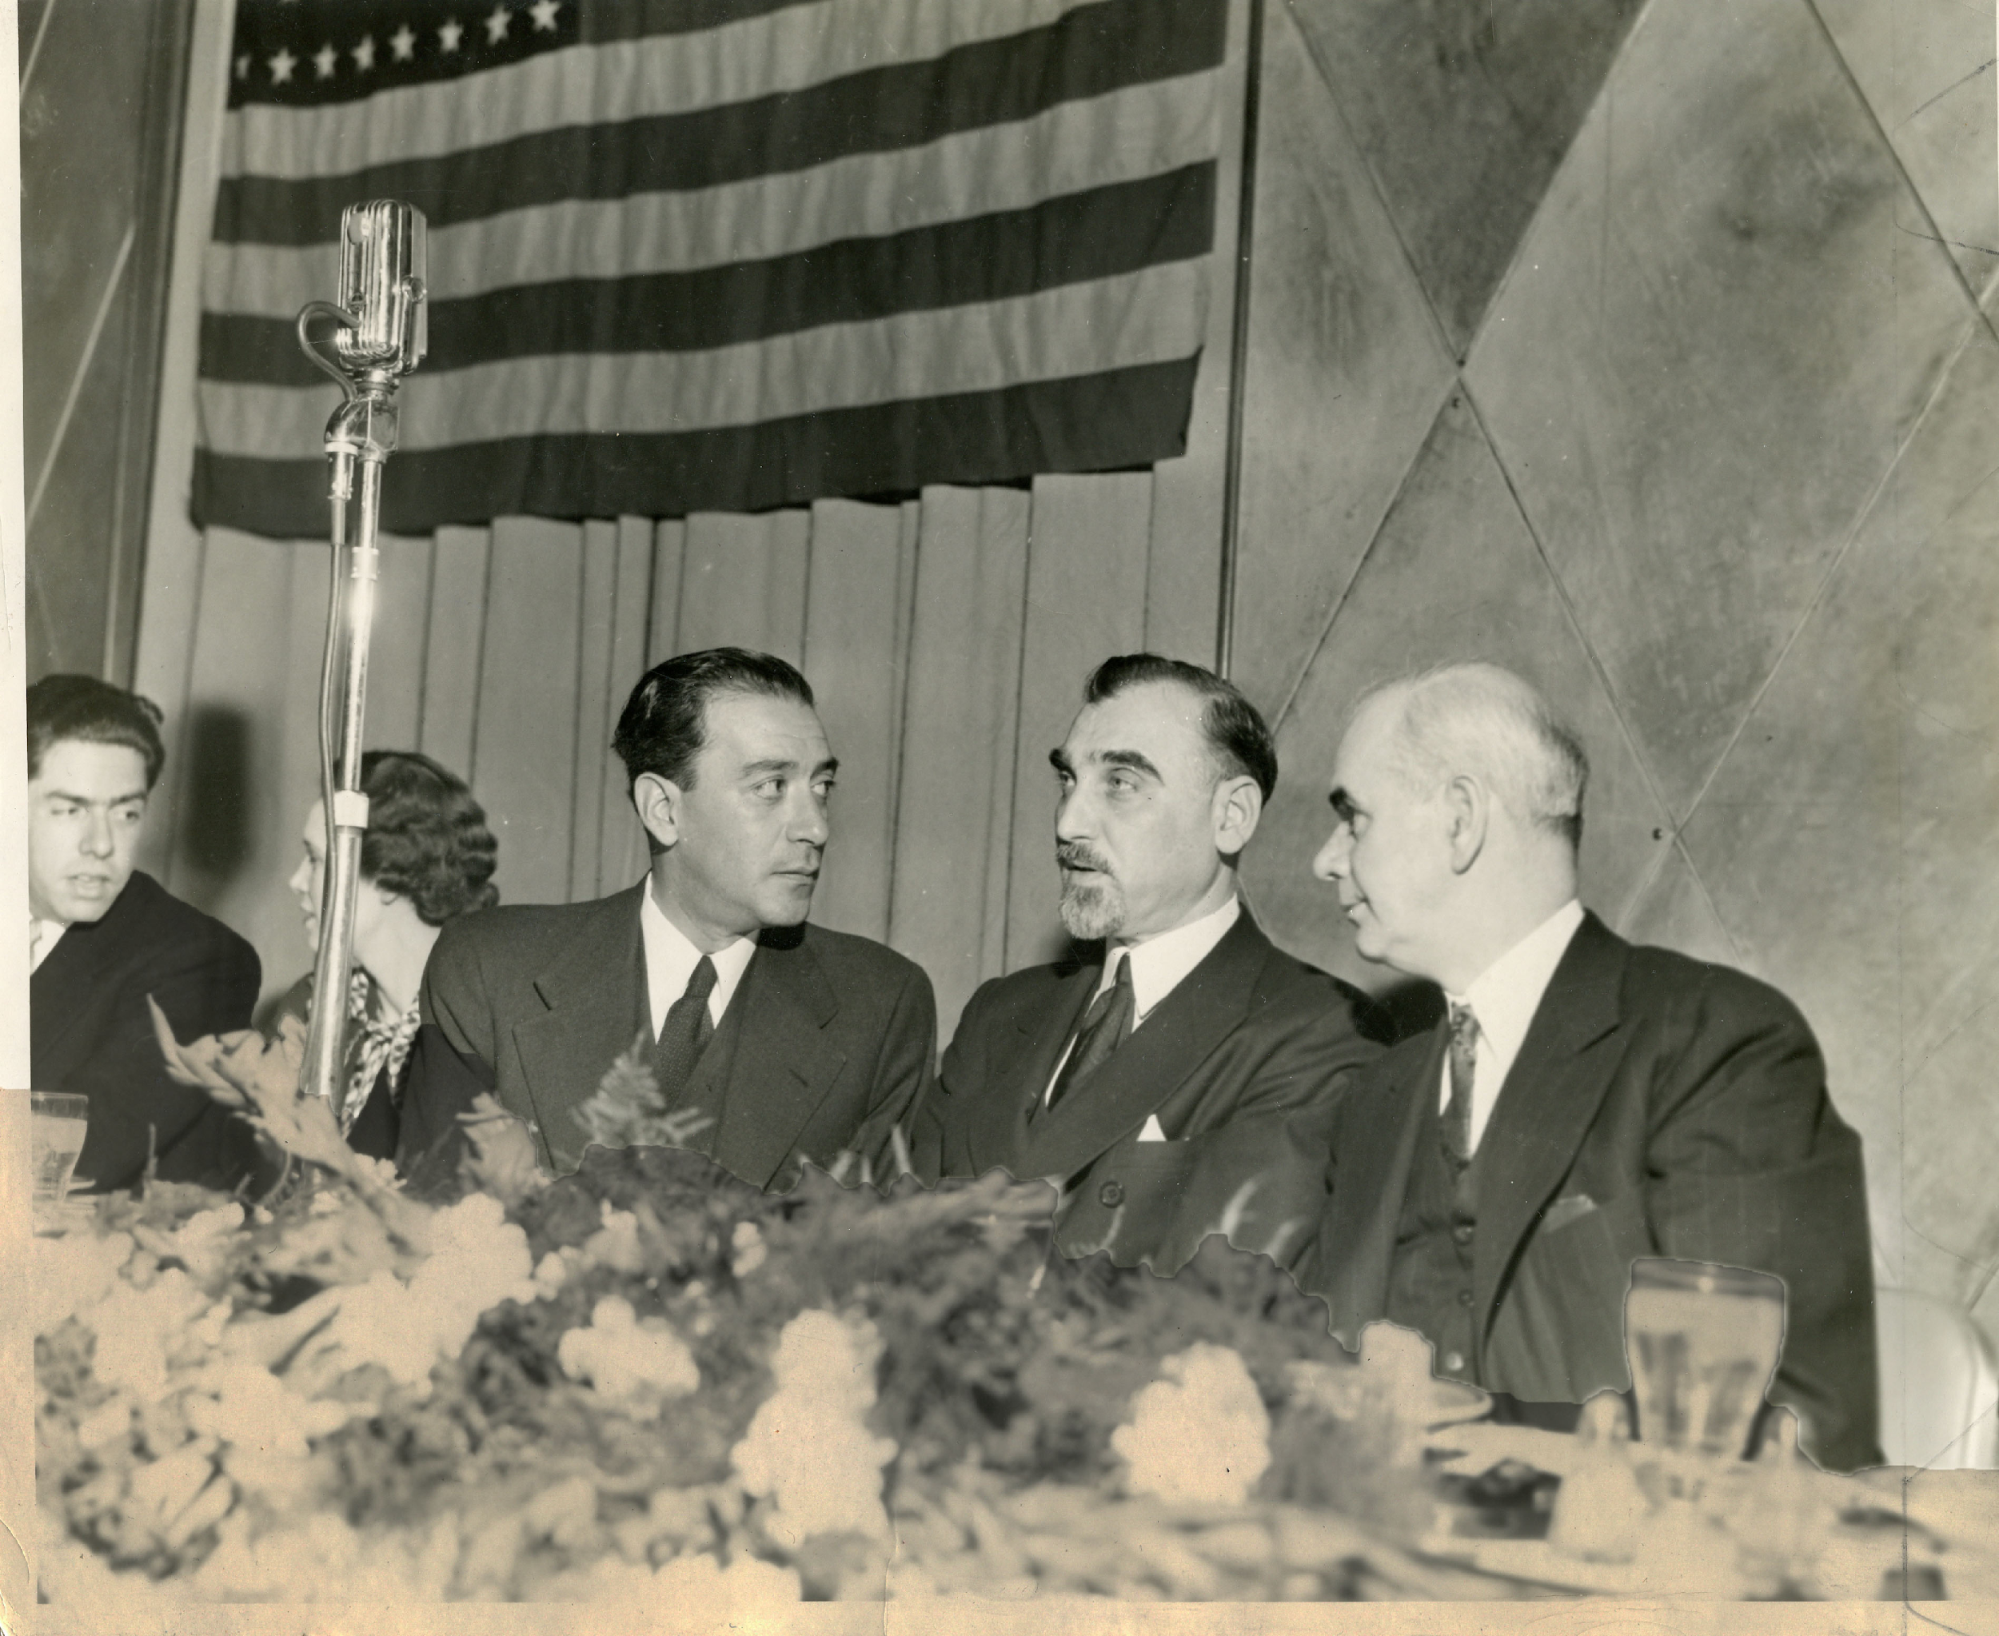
(1430, 1273)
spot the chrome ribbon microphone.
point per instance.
(382, 288)
(380, 334)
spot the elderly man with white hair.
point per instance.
(1584, 1102)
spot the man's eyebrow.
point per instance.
(1131, 759)
(85, 801)
(1342, 802)
(1058, 758)
(756, 769)
(827, 768)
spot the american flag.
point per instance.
(692, 255)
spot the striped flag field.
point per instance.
(695, 255)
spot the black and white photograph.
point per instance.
(1015, 814)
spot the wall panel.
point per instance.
(955, 809)
(1089, 540)
(743, 584)
(853, 660)
(524, 753)
(238, 819)
(456, 638)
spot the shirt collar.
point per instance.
(1160, 962)
(1508, 992)
(671, 958)
(43, 935)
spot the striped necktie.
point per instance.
(1104, 1028)
(1464, 1067)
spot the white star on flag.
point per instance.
(323, 60)
(496, 25)
(543, 12)
(403, 44)
(364, 53)
(447, 35)
(282, 65)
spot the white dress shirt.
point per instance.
(1504, 999)
(671, 959)
(43, 935)
(1158, 965)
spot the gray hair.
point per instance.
(1480, 719)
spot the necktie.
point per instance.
(1464, 1064)
(685, 1033)
(1103, 1030)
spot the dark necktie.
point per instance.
(685, 1033)
(1464, 1065)
(1103, 1030)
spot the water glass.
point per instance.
(57, 1122)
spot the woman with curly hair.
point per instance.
(427, 857)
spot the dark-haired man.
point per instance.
(1177, 1074)
(785, 1041)
(104, 935)
(1584, 1103)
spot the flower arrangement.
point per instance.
(648, 1378)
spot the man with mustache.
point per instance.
(104, 935)
(1177, 1074)
(1585, 1102)
(781, 1041)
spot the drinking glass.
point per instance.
(1704, 1341)
(57, 1121)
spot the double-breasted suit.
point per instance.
(1658, 1106)
(1241, 1065)
(825, 1046)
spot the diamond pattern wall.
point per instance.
(1464, 110)
(1339, 301)
(1454, 572)
(1716, 469)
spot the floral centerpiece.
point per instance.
(648, 1379)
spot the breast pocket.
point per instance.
(1557, 1334)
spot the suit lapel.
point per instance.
(65, 992)
(783, 1064)
(1209, 1002)
(595, 993)
(1550, 1096)
(1031, 1040)
(1376, 1149)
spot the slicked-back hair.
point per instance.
(1237, 737)
(83, 707)
(664, 722)
(1483, 719)
(427, 837)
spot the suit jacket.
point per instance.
(825, 1045)
(1658, 1106)
(90, 1031)
(1242, 1063)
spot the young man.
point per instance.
(791, 1042)
(104, 935)
(1178, 1074)
(1584, 1103)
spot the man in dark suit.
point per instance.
(103, 936)
(1584, 1103)
(1177, 1074)
(782, 1041)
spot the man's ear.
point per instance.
(1238, 805)
(1468, 811)
(657, 801)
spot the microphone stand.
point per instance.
(381, 337)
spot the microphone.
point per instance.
(382, 269)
